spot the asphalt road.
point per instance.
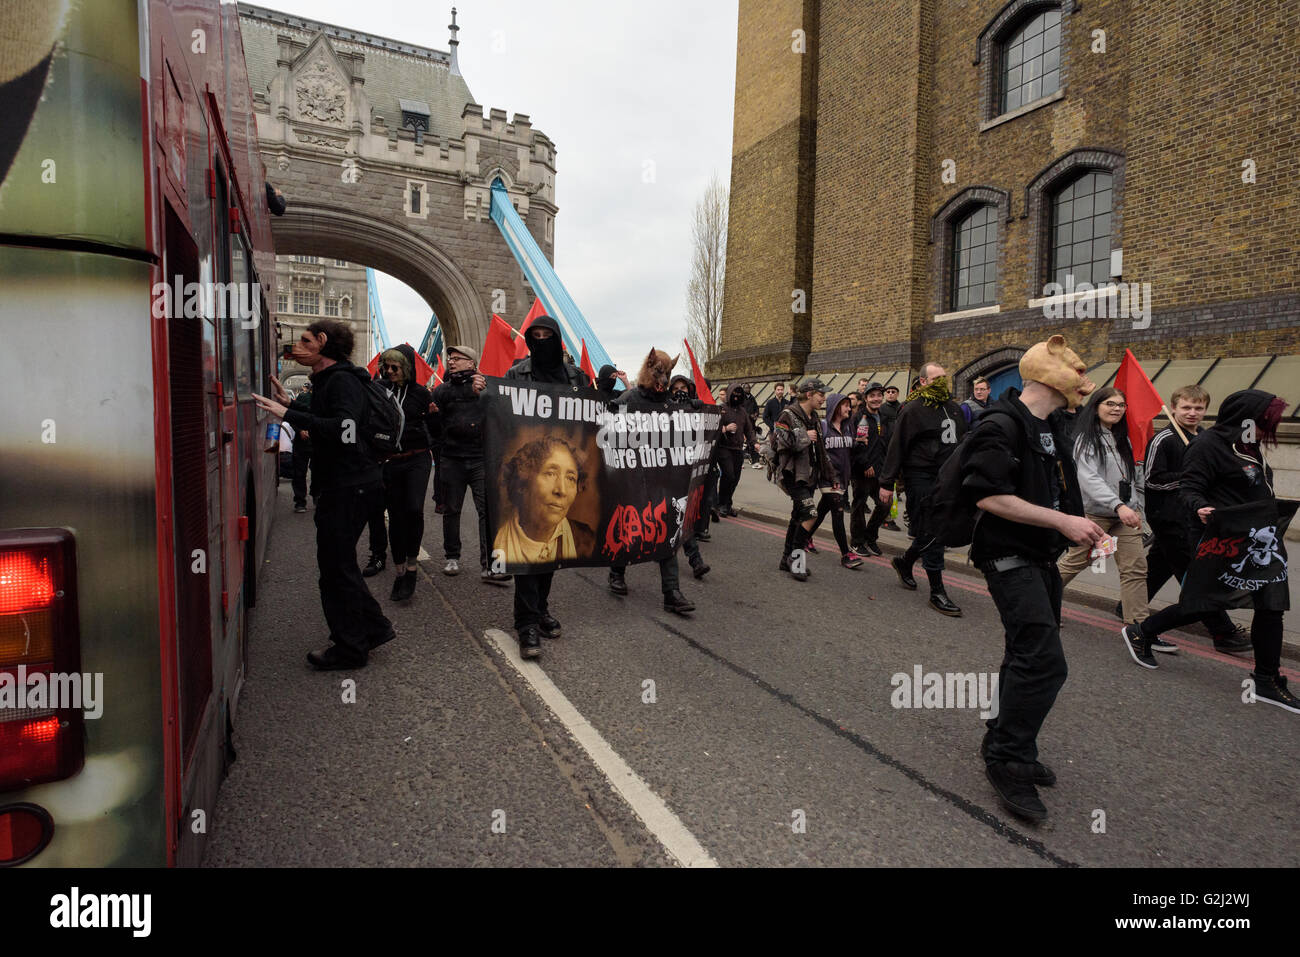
(771, 739)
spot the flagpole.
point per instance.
(1172, 421)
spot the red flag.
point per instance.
(498, 350)
(438, 373)
(585, 364)
(1144, 403)
(373, 365)
(423, 371)
(521, 346)
(702, 390)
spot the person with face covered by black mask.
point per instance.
(545, 363)
(607, 378)
(737, 436)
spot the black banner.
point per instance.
(572, 483)
(1241, 559)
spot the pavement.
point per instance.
(766, 729)
(759, 500)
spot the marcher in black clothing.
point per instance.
(838, 439)
(377, 528)
(302, 456)
(751, 409)
(350, 484)
(406, 473)
(1017, 469)
(925, 434)
(462, 458)
(803, 467)
(871, 439)
(607, 378)
(774, 406)
(737, 436)
(1223, 468)
(1175, 527)
(651, 394)
(545, 363)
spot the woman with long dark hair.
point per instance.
(1225, 468)
(1112, 489)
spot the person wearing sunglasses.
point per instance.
(1113, 491)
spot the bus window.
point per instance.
(221, 219)
(242, 313)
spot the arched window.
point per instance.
(975, 259)
(1081, 229)
(1031, 61)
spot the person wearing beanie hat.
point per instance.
(606, 377)
(545, 363)
(1017, 469)
(457, 400)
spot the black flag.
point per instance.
(1241, 559)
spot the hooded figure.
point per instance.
(545, 362)
(605, 380)
(742, 437)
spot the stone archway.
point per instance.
(314, 229)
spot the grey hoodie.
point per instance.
(1099, 481)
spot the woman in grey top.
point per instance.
(1112, 488)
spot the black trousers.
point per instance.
(461, 474)
(924, 545)
(1168, 557)
(302, 462)
(833, 503)
(1265, 632)
(731, 461)
(669, 576)
(802, 508)
(1033, 663)
(439, 490)
(378, 531)
(532, 593)
(355, 620)
(405, 483)
(866, 491)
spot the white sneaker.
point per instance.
(758, 465)
(452, 567)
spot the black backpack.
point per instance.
(383, 421)
(950, 514)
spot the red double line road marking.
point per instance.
(1109, 625)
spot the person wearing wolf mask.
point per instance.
(650, 394)
(1017, 469)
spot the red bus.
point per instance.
(134, 489)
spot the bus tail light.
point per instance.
(25, 830)
(41, 735)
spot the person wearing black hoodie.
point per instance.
(1224, 468)
(650, 394)
(406, 473)
(350, 485)
(737, 436)
(838, 434)
(924, 435)
(607, 378)
(545, 363)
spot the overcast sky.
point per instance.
(614, 83)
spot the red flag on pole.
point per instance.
(585, 364)
(423, 371)
(1144, 403)
(373, 365)
(521, 347)
(438, 373)
(498, 350)
(702, 390)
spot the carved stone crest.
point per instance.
(320, 94)
(329, 142)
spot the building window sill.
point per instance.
(1109, 291)
(968, 313)
(1021, 111)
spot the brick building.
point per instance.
(909, 176)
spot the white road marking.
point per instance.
(659, 820)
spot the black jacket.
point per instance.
(462, 418)
(545, 361)
(916, 439)
(1004, 455)
(871, 439)
(890, 410)
(1164, 468)
(772, 409)
(743, 437)
(338, 396)
(415, 406)
(1219, 469)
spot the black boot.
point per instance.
(939, 599)
(799, 565)
(677, 603)
(617, 583)
(374, 566)
(904, 570)
(699, 569)
(530, 642)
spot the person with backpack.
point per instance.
(1112, 490)
(1025, 507)
(462, 458)
(798, 463)
(924, 436)
(348, 472)
(544, 363)
(406, 472)
(838, 436)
